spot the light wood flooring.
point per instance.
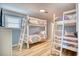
(37, 49)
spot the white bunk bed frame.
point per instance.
(71, 22)
(62, 23)
(28, 25)
(27, 38)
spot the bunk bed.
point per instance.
(29, 32)
(65, 35)
(37, 34)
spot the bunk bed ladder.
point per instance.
(22, 34)
(60, 52)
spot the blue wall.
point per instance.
(15, 36)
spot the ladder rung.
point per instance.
(26, 41)
(57, 50)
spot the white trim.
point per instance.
(77, 6)
(14, 45)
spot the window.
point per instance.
(12, 21)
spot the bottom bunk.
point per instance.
(67, 52)
(37, 37)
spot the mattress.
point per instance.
(34, 38)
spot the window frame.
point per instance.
(20, 23)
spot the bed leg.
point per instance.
(27, 46)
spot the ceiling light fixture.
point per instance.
(42, 11)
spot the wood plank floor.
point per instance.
(37, 49)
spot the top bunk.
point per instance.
(68, 18)
(37, 22)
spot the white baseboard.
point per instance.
(14, 45)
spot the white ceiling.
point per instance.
(32, 9)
